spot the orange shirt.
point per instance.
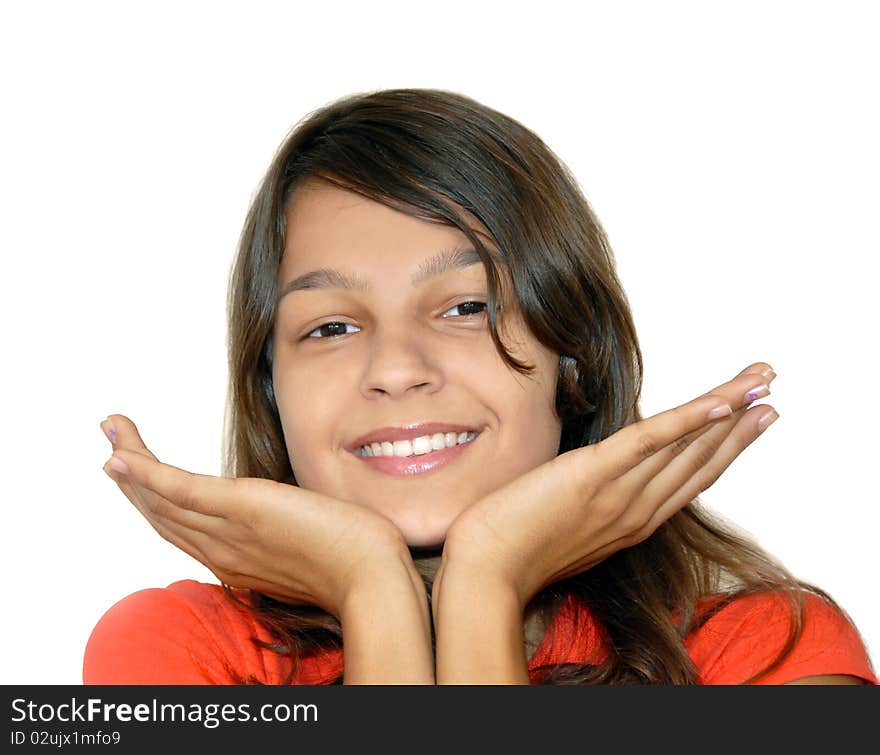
(191, 633)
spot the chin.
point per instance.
(424, 539)
(424, 534)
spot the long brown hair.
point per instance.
(428, 153)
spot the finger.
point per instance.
(731, 389)
(689, 486)
(691, 474)
(182, 537)
(203, 494)
(759, 368)
(123, 433)
(156, 509)
(128, 490)
(635, 443)
(643, 497)
(711, 433)
(191, 531)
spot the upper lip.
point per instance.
(409, 431)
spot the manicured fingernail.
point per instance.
(768, 373)
(720, 411)
(767, 420)
(757, 392)
(118, 465)
(109, 430)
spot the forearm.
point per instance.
(386, 628)
(479, 632)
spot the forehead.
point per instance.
(327, 225)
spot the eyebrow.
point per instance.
(443, 262)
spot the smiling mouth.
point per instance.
(421, 446)
(417, 463)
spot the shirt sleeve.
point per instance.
(746, 636)
(193, 633)
(151, 637)
(187, 633)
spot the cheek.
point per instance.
(531, 414)
(301, 414)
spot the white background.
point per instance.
(730, 150)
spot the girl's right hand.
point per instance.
(287, 542)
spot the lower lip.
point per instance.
(408, 466)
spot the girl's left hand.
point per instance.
(570, 513)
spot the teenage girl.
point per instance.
(436, 467)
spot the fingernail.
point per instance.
(118, 465)
(768, 372)
(758, 392)
(767, 420)
(720, 411)
(109, 430)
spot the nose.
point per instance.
(400, 361)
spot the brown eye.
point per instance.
(469, 307)
(330, 330)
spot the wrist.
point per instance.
(393, 579)
(387, 568)
(460, 568)
(479, 628)
(460, 584)
(386, 627)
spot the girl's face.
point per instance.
(406, 343)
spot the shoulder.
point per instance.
(746, 636)
(187, 633)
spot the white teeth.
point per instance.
(424, 444)
(403, 448)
